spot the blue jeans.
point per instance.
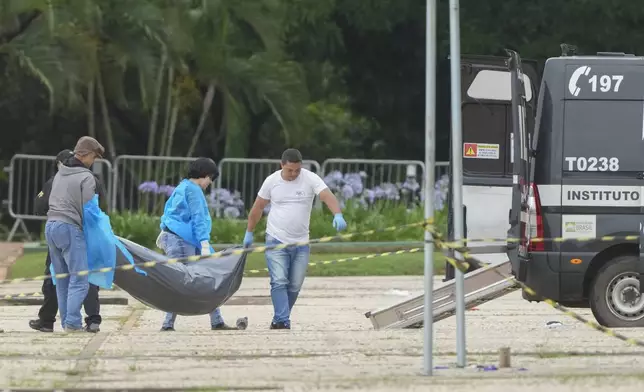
(175, 247)
(287, 270)
(68, 252)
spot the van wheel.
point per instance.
(615, 297)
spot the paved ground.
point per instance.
(332, 346)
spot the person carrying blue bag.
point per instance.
(186, 225)
(73, 186)
(101, 245)
(47, 313)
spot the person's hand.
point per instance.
(159, 241)
(338, 222)
(248, 239)
(205, 248)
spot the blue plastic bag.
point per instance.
(101, 246)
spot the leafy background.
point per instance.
(229, 78)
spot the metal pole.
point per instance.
(457, 171)
(430, 170)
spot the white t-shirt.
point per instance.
(291, 204)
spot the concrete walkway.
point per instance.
(332, 346)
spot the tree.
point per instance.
(246, 78)
(236, 52)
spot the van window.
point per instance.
(496, 86)
(486, 137)
(603, 136)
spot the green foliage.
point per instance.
(144, 229)
(145, 65)
(380, 216)
(333, 77)
(334, 131)
(137, 227)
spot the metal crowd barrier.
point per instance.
(379, 176)
(377, 171)
(27, 174)
(143, 183)
(441, 169)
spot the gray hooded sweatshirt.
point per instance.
(71, 189)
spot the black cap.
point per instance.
(64, 155)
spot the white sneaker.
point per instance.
(72, 330)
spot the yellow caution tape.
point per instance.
(22, 295)
(347, 259)
(259, 249)
(607, 238)
(257, 271)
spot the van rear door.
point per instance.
(490, 150)
(519, 214)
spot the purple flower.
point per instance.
(369, 196)
(219, 197)
(378, 193)
(221, 194)
(223, 200)
(411, 185)
(390, 191)
(347, 192)
(149, 187)
(231, 213)
(441, 192)
(166, 189)
(238, 203)
(354, 180)
(334, 180)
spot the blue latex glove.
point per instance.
(206, 249)
(338, 222)
(248, 239)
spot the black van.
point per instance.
(563, 154)
(584, 180)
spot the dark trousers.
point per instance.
(49, 308)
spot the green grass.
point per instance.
(32, 264)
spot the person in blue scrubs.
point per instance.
(186, 225)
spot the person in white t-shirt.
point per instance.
(291, 192)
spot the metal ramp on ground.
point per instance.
(481, 286)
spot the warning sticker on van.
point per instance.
(480, 151)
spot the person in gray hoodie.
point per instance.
(73, 186)
(47, 313)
